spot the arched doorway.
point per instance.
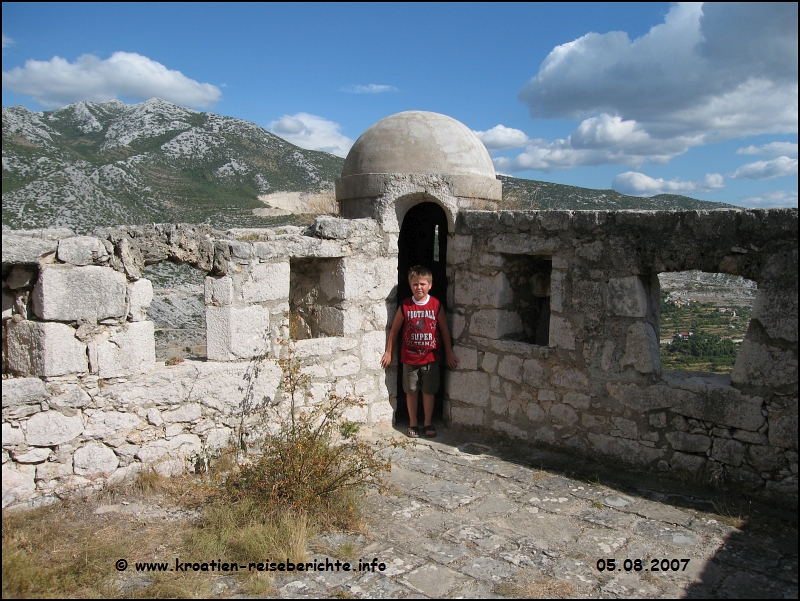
(422, 241)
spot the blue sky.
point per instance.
(644, 98)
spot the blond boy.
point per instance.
(422, 320)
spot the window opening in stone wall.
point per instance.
(315, 298)
(704, 319)
(177, 310)
(529, 277)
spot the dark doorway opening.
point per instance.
(422, 241)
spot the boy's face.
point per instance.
(420, 287)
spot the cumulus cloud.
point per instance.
(501, 137)
(766, 169)
(372, 88)
(778, 198)
(639, 184)
(312, 132)
(57, 82)
(773, 149)
(710, 72)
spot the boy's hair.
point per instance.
(419, 271)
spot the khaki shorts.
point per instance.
(425, 377)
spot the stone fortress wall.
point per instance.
(554, 316)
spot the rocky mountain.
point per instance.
(94, 164)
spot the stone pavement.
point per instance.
(482, 519)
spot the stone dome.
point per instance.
(419, 142)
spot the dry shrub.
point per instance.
(315, 463)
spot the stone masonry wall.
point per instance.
(595, 385)
(554, 315)
(88, 403)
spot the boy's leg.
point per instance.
(428, 401)
(412, 399)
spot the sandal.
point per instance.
(430, 431)
(413, 432)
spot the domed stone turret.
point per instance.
(419, 142)
(413, 157)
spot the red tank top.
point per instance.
(420, 342)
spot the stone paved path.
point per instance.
(493, 520)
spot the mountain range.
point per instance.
(94, 164)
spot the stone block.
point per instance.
(95, 459)
(469, 387)
(535, 412)
(783, 431)
(12, 436)
(26, 250)
(692, 464)
(468, 357)
(375, 279)
(373, 345)
(21, 277)
(219, 291)
(570, 378)
(766, 459)
(45, 349)
(765, 365)
(236, 332)
(381, 412)
(693, 443)
(510, 368)
(266, 282)
(32, 455)
(724, 406)
(626, 297)
(68, 293)
(533, 373)
(489, 363)
(493, 323)
(776, 311)
(140, 295)
(509, 429)
(340, 322)
(562, 335)
(564, 414)
(651, 397)
(82, 250)
(728, 451)
(466, 416)
(628, 451)
(577, 400)
(22, 397)
(18, 480)
(346, 366)
(185, 413)
(51, 428)
(641, 348)
(524, 244)
(8, 304)
(483, 290)
(321, 347)
(123, 350)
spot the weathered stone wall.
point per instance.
(554, 315)
(100, 407)
(595, 386)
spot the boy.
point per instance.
(425, 330)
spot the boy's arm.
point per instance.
(441, 319)
(397, 324)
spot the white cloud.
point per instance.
(773, 149)
(778, 198)
(639, 184)
(710, 72)
(779, 167)
(312, 132)
(501, 137)
(7, 41)
(57, 82)
(372, 88)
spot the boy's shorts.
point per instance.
(424, 377)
